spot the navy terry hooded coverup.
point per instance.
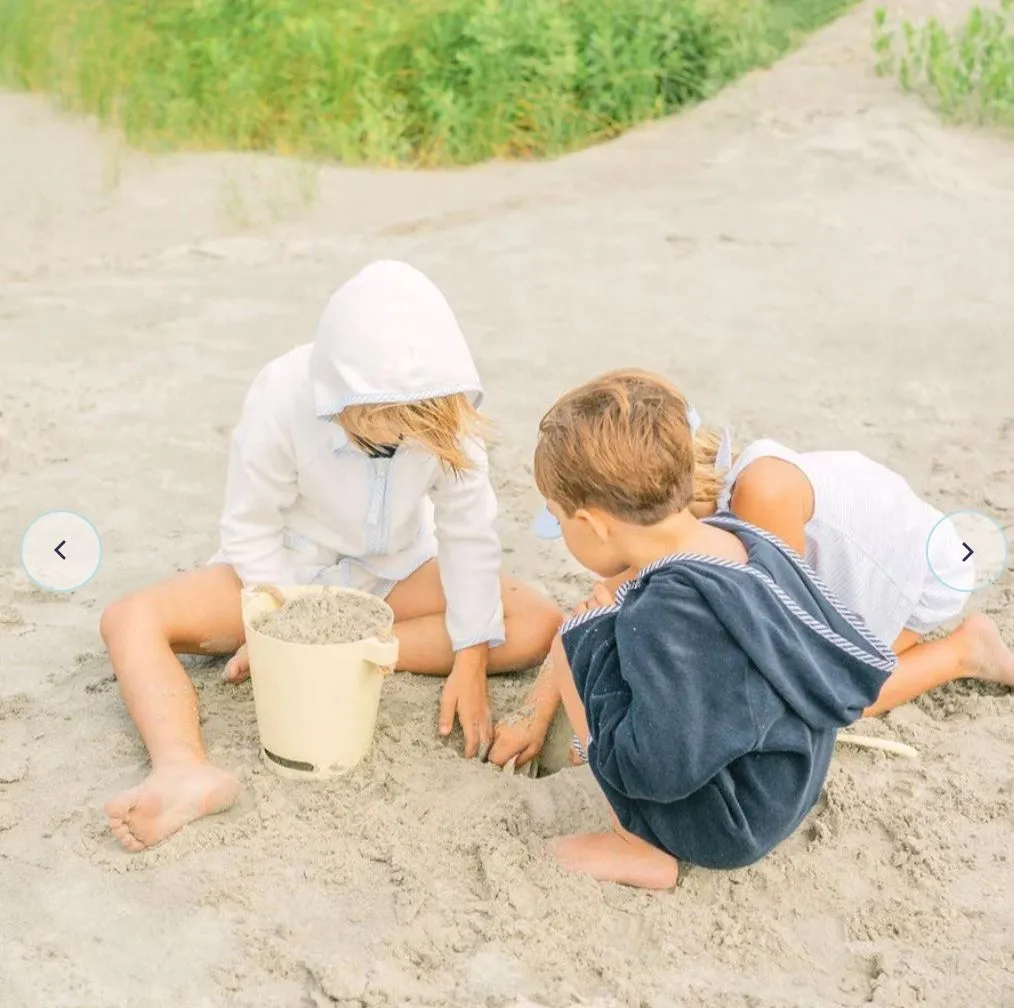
(714, 691)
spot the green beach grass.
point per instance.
(965, 72)
(390, 82)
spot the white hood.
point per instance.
(388, 335)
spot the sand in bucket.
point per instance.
(317, 659)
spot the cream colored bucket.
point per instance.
(316, 704)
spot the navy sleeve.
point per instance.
(665, 694)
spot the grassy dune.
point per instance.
(390, 82)
(965, 71)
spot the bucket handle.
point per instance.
(382, 653)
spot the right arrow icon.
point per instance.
(969, 553)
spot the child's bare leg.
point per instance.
(197, 613)
(616, 856)
(530, 620)
(974, 651)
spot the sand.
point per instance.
(812, 256)
(327, 618)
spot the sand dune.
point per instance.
(811, 255)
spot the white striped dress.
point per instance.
(868, 540)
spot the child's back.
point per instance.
(710, 691)
(718, 697)
(868, 537)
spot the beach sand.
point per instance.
(326, 618)
(811, 256)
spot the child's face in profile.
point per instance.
(587, 534)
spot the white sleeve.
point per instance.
(468, 550)
(260, 487)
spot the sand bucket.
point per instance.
(316, 704)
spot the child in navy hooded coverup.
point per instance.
(711, 689)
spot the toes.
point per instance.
(562, 848)
(236, 671)
(122, 832)
(570, 854)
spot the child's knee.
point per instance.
(123, 615)
(114, 618)
(541, 621)
(550, 617)
(521, 601)
(530, 620)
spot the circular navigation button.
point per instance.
(61, 551)
(967, 550)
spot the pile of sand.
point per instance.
(330, 617)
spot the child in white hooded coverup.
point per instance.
(357, 461)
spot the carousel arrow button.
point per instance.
(72, 562)
(967, 550)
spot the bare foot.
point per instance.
(238, 667)
(166, 800)
(616, 857)
(985, 656)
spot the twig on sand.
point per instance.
(885, 745)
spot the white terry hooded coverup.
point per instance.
(305, 505)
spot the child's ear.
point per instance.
(594, 522)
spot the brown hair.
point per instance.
(621, 443)
(442, 426)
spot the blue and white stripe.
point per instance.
(878, 655)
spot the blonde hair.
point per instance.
(621, 443)
(708, 481)
(441, 426)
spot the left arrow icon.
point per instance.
(61, 550)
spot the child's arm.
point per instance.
(260, 486)
(468, 548)
(521, 734)
(775, 496)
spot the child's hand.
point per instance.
(466, 697)
(599, 598)
(519, 736)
